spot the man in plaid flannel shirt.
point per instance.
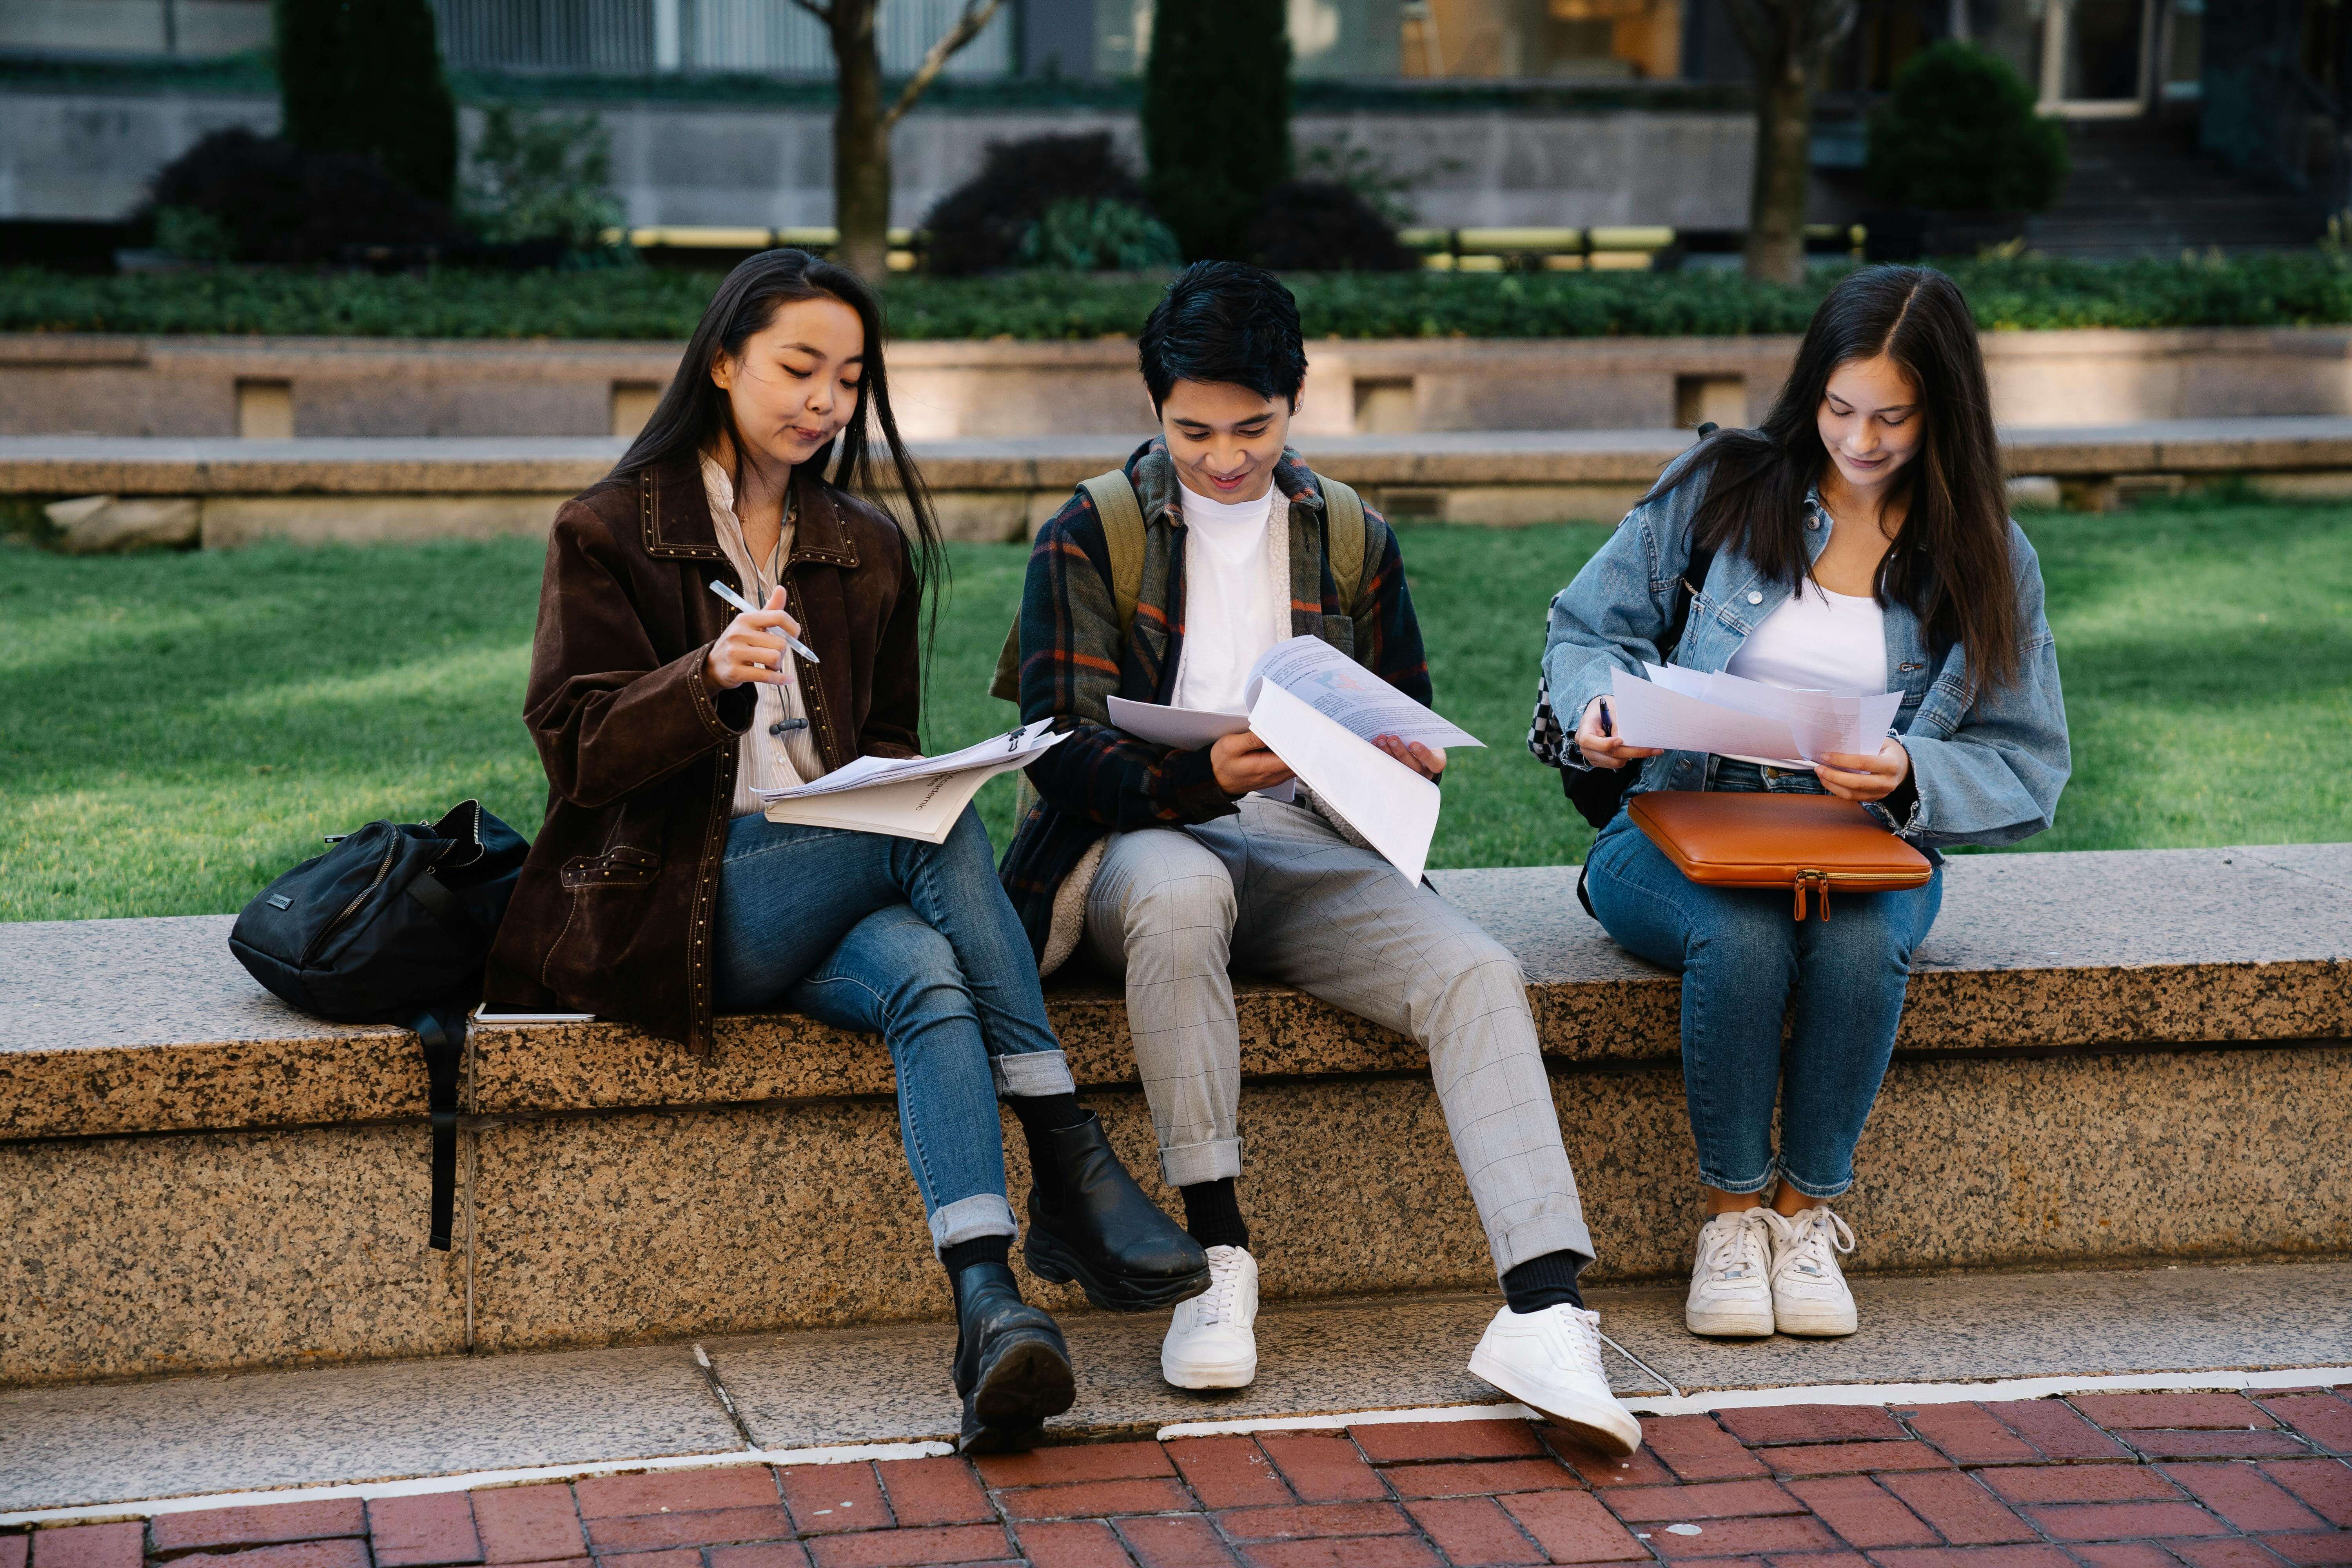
(1158, 863)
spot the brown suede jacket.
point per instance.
(613, 914)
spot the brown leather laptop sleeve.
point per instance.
(1805, 842)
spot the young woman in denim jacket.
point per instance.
(1860, 539)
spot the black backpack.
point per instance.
(391, 925)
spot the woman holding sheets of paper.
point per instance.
(659, 892)
(1858, 542)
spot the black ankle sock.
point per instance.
(1214, 1215)
(1544, 1281)
(1040, 1115)
(979, 1249)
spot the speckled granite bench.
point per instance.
(2107, 1056)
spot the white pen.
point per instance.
(736, 599)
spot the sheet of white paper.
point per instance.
(1349, 695)
(1648, 714)
(1392, 806)
(1017, 749)
(1187, 729)
(1820, 721)
(924, 808)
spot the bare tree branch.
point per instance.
(977, 14)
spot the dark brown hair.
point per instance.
(1950, 562)
(694, 409)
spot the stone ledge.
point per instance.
(558, 466)
(111, 1027)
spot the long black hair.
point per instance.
(695, 410)
(1950, 561)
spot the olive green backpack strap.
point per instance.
(1343, 519)
(1122, 523)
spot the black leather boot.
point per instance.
(1090, 1222)
(1012, 1366)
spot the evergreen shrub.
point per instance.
(540, 177)
(1100, 235)
(1324, 225)
(982, 224)
(239, 196)
(1216, 119)
(2297, 289)
(1959, 133)
(365, 77)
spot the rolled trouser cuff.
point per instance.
(1187, 1164)
(1027, 1073)
(1740, 1186)
(1815, 1190)
(1537, 1235)
(969, 1219)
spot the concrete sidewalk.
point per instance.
(445, 1425)
(2197, 1480)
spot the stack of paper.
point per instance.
(914, 797)
(1678, 709)
(1319, 710)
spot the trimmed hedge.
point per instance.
(642, 302)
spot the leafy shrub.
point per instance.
(982, 224)
(1322, 225)
(2305, 288)
(1097, 237)
(365, 77)
(1958, 133)
(238, 197)
(540, 176)
(1216, 119)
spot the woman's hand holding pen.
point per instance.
(751, 650)
(1597, 739)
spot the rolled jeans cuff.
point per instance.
(1814, 1190)
(1532, 1239)
(1024, 1074)
(969, 1219)
(1741, 1185)
(1188, 1164)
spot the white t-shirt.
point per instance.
(1236, 596)
(1816, 641)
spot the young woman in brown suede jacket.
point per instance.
(658, 892)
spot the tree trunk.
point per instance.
(1784, 128)
(861, 147)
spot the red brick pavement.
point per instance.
(2164, 1480)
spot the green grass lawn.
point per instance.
(175, 730)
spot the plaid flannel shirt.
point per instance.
(1102, 780)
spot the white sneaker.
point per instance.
(1809, 1291)
(1212, 1339)
(1731, 1282)
(1550, 1362)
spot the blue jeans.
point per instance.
(914, 942)
(1745, 964)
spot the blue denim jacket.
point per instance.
(1987, 767)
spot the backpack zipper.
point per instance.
(383, 869)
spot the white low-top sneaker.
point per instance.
(1732, 1281)
(1550, 1362)
(1212, 1339)
(1809, 1291)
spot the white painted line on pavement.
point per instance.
(1818, 1394)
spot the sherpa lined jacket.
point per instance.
(614, 912)
(1101, 780)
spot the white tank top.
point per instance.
(1817, 641)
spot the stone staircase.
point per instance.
(2144, 187)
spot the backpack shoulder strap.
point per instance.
(1343, 519)
(1122, 520)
